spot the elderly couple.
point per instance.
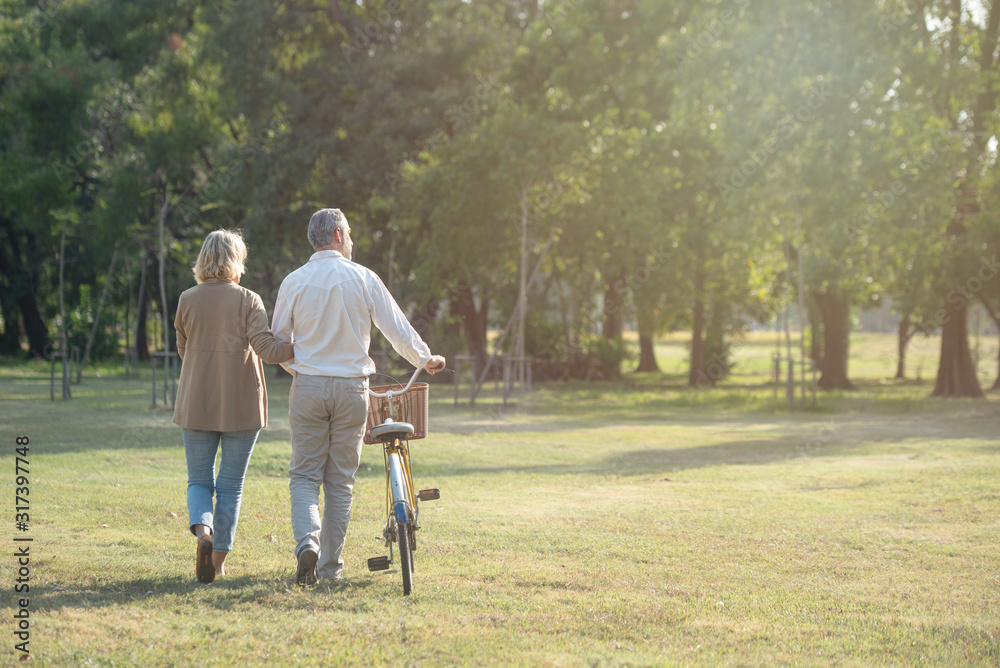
(325, 309)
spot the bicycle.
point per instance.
(401, 504)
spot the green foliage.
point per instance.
(609, 355)
(663, 155)
(545, 341)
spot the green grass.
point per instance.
(628, 523)
(872, 356)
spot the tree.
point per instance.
(949, 56)
(808, 166)
(120, 120)
(43, 98)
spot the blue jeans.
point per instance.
(201, 448)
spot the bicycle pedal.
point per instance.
(378, 564)
(429, 494)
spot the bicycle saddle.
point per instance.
(403, 429)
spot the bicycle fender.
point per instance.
(400, 512)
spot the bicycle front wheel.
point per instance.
(405, 556)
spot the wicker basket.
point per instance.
(410, 407)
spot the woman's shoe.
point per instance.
(205, 568)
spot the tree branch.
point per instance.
(337, 14)
(987, 98)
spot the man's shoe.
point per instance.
(306, 576)
(205, 569)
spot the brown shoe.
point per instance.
(205, 568)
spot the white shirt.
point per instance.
(327, 307)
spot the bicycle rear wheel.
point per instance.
(405, 556)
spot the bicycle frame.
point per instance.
(398, 481)
(396, 456)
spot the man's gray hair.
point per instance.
(323, 224)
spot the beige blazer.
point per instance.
(222, 335)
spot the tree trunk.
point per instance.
(611, 328)
(836, 314)
(715, 351)
(956, 375)
(162, 269)
(463, 304)
(10, 342)
(34, 326)
(128, 306)
(904, 334)
(97, 316)
(996, 383)
(696, 373)
(142, 328)
(22, 292)
(522, 290)
(995, 317)
(646, 323)
(646, 301)
(572, 347)
(647, 355)
(63, 344)
(62, 302)
(815, 334)
(142, 314)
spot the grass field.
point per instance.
(584, 524)
(873, 357)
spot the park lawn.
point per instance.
(629, 523)
(873, 356)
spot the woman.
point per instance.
(222, 336)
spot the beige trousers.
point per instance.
(327, 419)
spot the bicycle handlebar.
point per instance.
(395, 393)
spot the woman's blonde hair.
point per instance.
(222, 255)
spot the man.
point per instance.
(327, 307)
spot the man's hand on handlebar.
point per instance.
(435, 364)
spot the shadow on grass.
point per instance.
(828, 439)
(225, 593)
(110, 414)
(656, 460)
